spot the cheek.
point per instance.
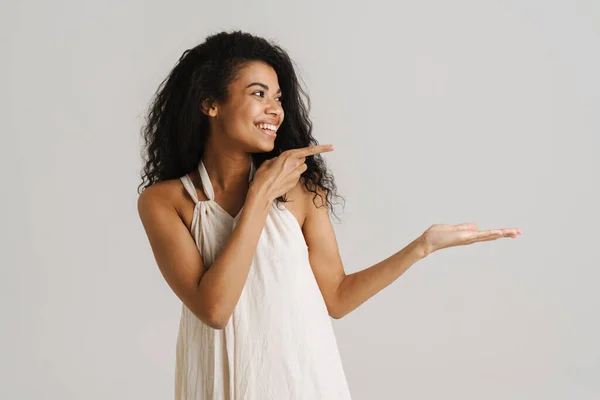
(246, 112)
(240, 125)
(236, 117)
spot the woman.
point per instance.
(236, 207)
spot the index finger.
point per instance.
(312, 150)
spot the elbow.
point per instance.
(210, 311)
(213, 318)
(216, 324)
(335, 312)
(217, 320)
(336, 315)
(213, 321)
(336, 304)
(218, 317)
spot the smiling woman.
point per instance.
(231, 177)
(230, 70)
(246, 105)
(236, 206)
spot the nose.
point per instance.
(274, 108)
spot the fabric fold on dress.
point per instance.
(279, 343)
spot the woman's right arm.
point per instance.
(211, 295)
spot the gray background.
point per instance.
(441, 112)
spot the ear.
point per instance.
(209, 108)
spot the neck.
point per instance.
(227, 169)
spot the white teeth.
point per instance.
(267, 126)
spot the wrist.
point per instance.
(421, 247)
(257, 196)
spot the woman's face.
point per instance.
(249, 119)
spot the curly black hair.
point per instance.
(175, 129)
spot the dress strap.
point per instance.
(189, 187)
(207, 185)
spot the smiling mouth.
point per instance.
(267, 131)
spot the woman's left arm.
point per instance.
(344, 293)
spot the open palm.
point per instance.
(438, 237)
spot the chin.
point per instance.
(264, 147)
(252, 145)
(263, 143)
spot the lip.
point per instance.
(271, 122)
(267, 131)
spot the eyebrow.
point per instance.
(262, 85)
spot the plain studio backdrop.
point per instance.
(441, 112)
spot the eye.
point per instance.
(262, 92)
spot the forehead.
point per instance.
(257, 71)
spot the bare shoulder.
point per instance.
(302, 202)
(167, 194)
(175, 250)
(315, 199)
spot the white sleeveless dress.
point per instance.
(279, 343)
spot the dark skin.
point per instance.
(185, 205)
(166, 211)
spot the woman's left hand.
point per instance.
(438, 237)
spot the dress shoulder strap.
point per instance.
(206, 183)
(189, 186)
